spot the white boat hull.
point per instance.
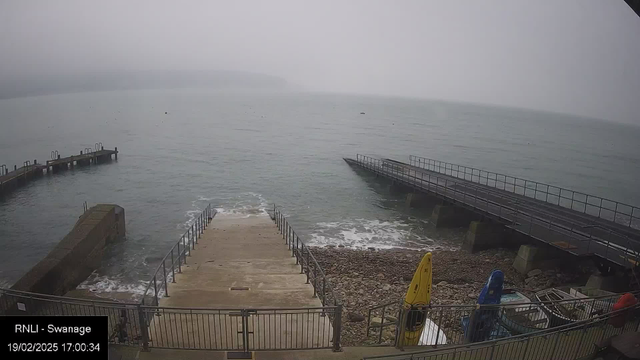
(430, 333)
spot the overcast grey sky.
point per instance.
(572, 56)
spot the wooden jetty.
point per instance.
(9, 180)
(85, 158)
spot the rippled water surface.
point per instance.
(243, 151)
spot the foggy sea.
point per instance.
(243, 151)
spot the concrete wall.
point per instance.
(78, 254)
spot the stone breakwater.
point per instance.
(365, 278)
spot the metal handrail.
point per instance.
(153, 307)
(313, 272)
(572, 222)
(475, 175)
(146, 326)
(579, 325)
(564, 301)
(503, 212)
(598, 305)
(304, 257)
(188, 240)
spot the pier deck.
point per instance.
(579, 233)
(23, 173)
(95, 157)
(9, 180)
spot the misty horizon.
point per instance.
(49, 84)
(574, 57)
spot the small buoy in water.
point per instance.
(362, 113)
(165, 113)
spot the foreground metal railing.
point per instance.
(243, 330)
(621, 213)
(304, 257)
(177, 256)
(562, 233)
(450, 320)
(572, 341)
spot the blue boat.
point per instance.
(482, 323)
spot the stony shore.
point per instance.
(365, 278)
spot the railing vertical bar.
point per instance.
(184, 249)
(155, 289)
(173, 269)
(164, 277)
(179, 258)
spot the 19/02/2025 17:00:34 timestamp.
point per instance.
(53, 347)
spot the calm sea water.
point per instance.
(243, 151)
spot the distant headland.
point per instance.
(33, 85)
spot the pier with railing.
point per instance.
(571, 221)
(10, 179)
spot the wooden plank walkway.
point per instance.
(95, 157)
(22, 173)
(572, 231)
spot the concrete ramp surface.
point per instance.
(240, 286)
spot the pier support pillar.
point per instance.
(613, 282)
(397, 188)
(483, 235)
(450, 216)
(533, 257)
(417, 200)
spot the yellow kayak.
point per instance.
(417, 299)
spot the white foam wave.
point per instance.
(365, 233)
(5, 284)
(244, 205)
(104, 284)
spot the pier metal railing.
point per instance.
(304, 257)
(562, 233)
(572, 341)
(383, 321)
(177, 256)
(618, 212)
